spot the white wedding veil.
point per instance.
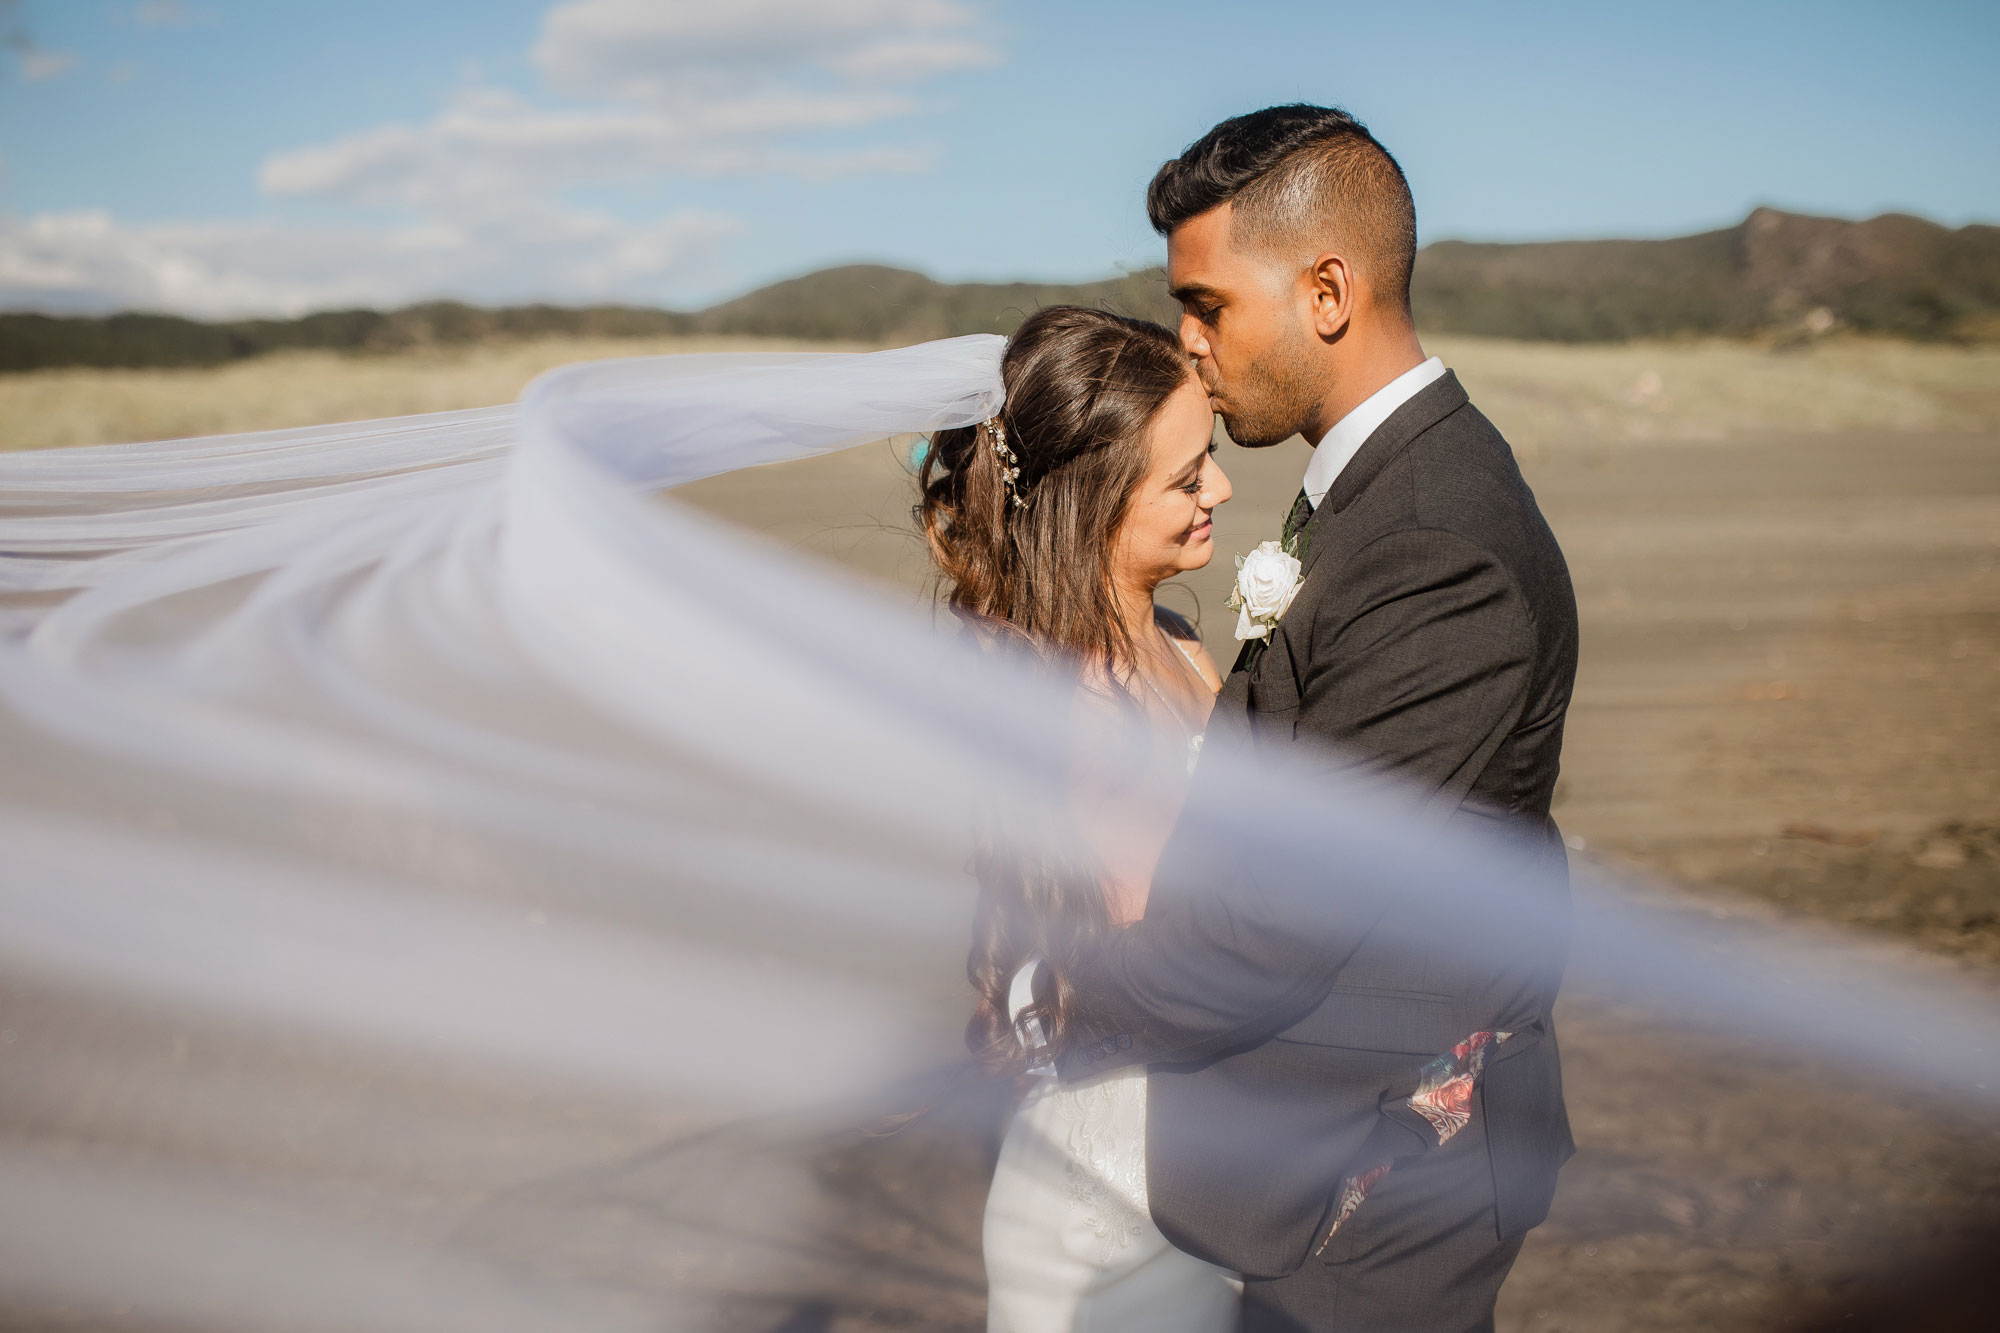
(453, 750)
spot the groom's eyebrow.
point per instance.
(1193, 291)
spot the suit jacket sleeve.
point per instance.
(1422, 650)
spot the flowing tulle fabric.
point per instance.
(456, 738)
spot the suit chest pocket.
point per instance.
(1274, 686)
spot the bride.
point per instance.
(1057, 520)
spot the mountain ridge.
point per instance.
(1775, 274)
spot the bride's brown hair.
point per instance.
(1082, 387)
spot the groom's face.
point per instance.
(1243, 323)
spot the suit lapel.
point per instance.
(1430, 405)
(1235, 693)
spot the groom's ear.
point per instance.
(1330, 290)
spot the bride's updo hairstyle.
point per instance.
(1031, 550)
(1082, 386)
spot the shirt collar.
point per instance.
(1352, 431)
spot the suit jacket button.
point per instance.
(1124, 1041)
(1084, 1056)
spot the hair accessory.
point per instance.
(1010, 463)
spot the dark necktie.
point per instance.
(1295, 522)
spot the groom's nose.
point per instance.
(1194, 338)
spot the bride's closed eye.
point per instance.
(1193, 485)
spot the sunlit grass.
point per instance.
(1540, 394)
(46, 408)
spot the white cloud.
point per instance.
(86, 262)
(904, 58)
(637, 91)
(489, 147)
(670, 50)
(665, 86)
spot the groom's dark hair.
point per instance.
(1300, 176)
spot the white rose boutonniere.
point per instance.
(1266, 581)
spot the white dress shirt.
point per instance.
(1344, 441)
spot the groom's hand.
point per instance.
(1233, 949)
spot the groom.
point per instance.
(1361, 1114)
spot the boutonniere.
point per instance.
(1266, 581)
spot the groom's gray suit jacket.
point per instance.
(1432, 642)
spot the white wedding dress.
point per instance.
(1070, 1244)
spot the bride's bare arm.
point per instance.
(1125, 799)
(1128, 780)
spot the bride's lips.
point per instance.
(1201, 531)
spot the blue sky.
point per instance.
(230, 156)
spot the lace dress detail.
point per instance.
(1070, 1244)
(1106, 1166)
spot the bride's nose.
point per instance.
(1218, 490)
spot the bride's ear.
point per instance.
(1330, 290)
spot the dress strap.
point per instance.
(1193, 665)
(1020, 995)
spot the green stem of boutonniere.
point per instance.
(1295, 525)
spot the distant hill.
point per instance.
(864, 302)
(33, 342)
(854, 303)
(1774, 274)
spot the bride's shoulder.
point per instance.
(1176, 624)
(1184, 633)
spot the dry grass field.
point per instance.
(1788, 569)
(53, 408)
(1543, 394)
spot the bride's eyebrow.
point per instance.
(1191, 470)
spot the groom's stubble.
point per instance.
(1246, 328)
(1277, 396)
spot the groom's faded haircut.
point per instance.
(1302, 177)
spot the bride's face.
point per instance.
(1167, 528)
